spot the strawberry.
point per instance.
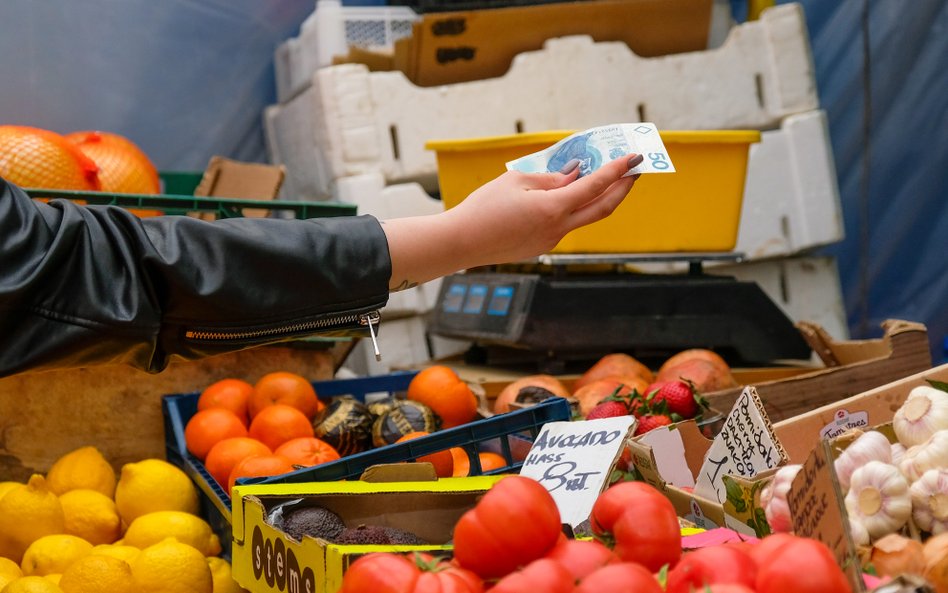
(607, 409)
(651, 422)
(679, 395)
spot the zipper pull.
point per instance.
(375, 344)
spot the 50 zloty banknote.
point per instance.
(596, 146)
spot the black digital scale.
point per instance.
(563, 309)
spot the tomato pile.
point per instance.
(512, 542)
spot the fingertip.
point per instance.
(635, 161)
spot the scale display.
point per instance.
(487, 305)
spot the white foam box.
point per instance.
(329, 31)
(805, 288)
(351, 121)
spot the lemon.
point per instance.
(54, 578)
(221, 575)
(126, 553)
(31, 585)
(7, 486)
(9, 570)
(172, 567)
(153, 485)
(91, 515)
(188, 529)
(98, 574)
(53, 554)
(83, 468)
(28, 512)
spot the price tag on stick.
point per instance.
(746, 446)
(573, 460)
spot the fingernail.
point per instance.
(636, 161)
(569, 166)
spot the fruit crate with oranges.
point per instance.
(503, 439)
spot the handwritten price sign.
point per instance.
(745, 447)
(573, 461)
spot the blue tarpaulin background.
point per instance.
(187, 79)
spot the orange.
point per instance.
(258, 466)
(442, 460)
(223, 456)
(231, 394)
(277, 424)
(123, 167)
(288, 389)
(307, 451)
(33, 157)
(462, 465)
(440, 388)
(208, 427)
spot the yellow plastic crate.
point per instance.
(698, 208)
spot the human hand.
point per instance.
(514, 217)
(522, 215)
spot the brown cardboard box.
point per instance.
(117, 408)
(852, 367)
(225, 178)
(801, 438)
(815, 497)
(450, 47)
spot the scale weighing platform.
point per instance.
(568, 308)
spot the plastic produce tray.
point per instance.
(507, 434)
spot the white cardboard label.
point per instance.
(843, 422)
(745, 447)
(573, 460)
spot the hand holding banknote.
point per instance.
(597, 146)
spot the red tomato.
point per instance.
(543, 575)
(639, 523)
(763, 551)
(382, 572)
(801, 565)
(727, 589)
(515, 523)
(580, 557)
(710, 566)
(624, 577)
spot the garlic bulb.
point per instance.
(774, 498)
(930, 501)
(924, 413)
(898, 452)
(879, 498)
(870, 446)
(858, 531)
(932, 454)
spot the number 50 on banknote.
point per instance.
(596, 146)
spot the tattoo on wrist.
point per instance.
(405, 285)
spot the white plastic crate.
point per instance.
(329, 31)
(351, 121)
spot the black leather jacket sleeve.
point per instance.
(88, 285)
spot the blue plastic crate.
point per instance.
(509, 435)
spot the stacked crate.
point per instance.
(358, 135)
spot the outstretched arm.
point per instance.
(515, 216)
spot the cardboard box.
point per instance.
(802, 439)
(450, 47)
(852, 367)
(265, 560)
(226, 178)
(815, 497)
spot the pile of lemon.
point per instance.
(81, 529)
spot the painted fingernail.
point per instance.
(636, 161)
(569, 166)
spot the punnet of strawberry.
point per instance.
(512, 541)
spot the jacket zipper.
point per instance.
(339, 321)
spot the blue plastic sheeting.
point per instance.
(187, 79)
(184, 79)
(893, 173)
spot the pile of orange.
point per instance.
(253, 430)
(454, 462)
